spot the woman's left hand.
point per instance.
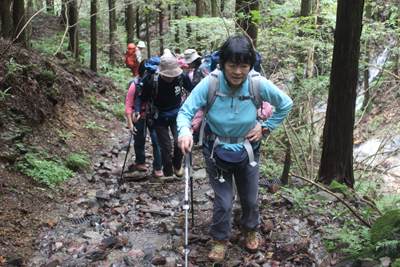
(255, 134)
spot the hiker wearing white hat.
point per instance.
(165, 90)
(194, 61)
(141, 44)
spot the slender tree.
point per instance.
(367, 55)
(64, 12)
(176, 17)
(73, 28)
(19, 21)
(29, 27)
(305, 10)
(199, 8)
(93, 35)
(129, 21)
(148, 33)
(113, 27)
(6, 21)
(161, 24)
(222, 6)
(137, 23)
(337, 150)
(214, 7)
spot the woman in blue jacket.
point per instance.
(231, 128)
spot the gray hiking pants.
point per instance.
(247, 185)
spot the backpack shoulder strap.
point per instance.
(155, 82)
(254, 88)
(213, 89)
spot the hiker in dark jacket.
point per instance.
(140, 138)
(167, 102)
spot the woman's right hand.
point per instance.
(135, 118)
(185, 143)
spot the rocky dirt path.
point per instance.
(144, 225)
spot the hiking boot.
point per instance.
(158, 173)
(218, 250)
(142, 167)
(251, 241)
(179, 173)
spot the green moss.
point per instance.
(396, 263)
(386, 227)
(340, 188)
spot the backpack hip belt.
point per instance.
(232, 140)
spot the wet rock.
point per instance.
(365, 262)
(121, 241)
(273, 188)
(136, 252)
(200, 174)
(171, 262)
(76, 248)
(96, 255)
(159, 261)
(14, 259)
(233, 263)
(324, 196)
(297, 181)
(121, 210)
(58, 245)
(109, 241)
(11, 157)
(115, 226)
(93, 235)
(102, 195)
(103, 173)
(52, 263)
(267, 227)
(129, 196)
(76, 262)
(149, 254)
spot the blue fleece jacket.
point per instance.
(222, 116)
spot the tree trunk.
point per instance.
(199, 8)
(246, 25)
(29, 27)
(129, 21)
(112, 23)
(366, 67)
(176, 16)
(19, 21)
(93, 35)
(6, 20)
(214, 8)
(148, 34)
(222, 5)
(64, 12)
(287, 164)
(396, 60)
(73, 28)
(50, 6)
(160, 24)
(305, 10)
(137, 23)
(337, 150)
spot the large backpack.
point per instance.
(130, 55)
(152, 76)
(213, 93)
(215, 61)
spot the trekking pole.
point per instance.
(188, 159)
(191, 190)
(120, 181)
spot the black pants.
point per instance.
(162, 127)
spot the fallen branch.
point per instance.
(333, 194)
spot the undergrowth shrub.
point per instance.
(49, 172)
(77, 161)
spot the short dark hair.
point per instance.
(142, 68)
(237, 49)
